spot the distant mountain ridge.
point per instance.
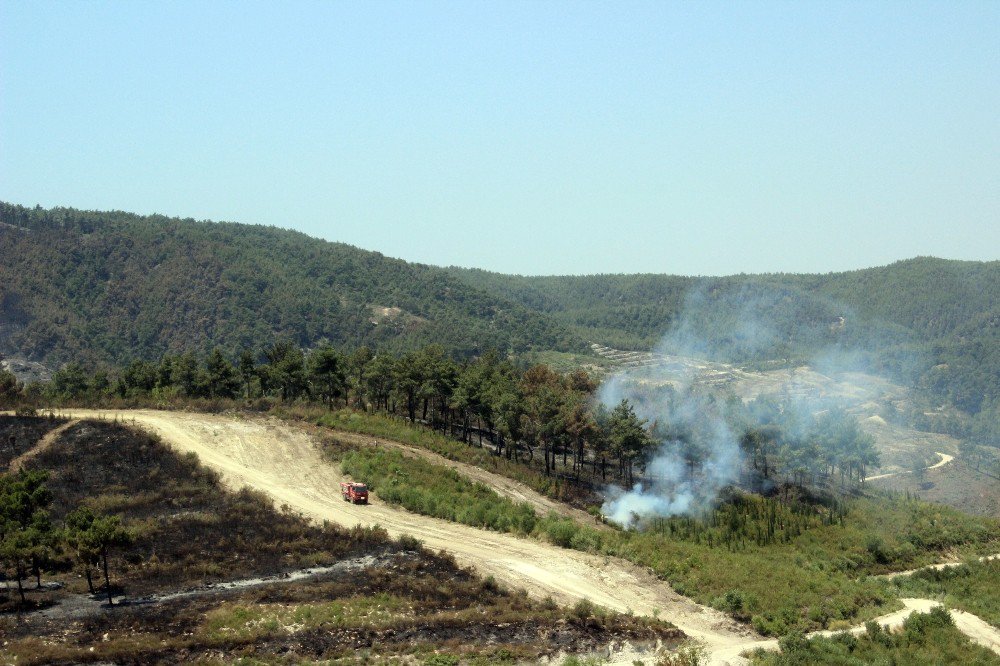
(929, 296)
(107, 287)
(928, 321)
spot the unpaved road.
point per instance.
(45, 442)
(972, 626)
(284, 462)
(945, 459)
(938, 566)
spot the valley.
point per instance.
(285, 462)
(578, 498)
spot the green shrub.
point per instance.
(431, 490)
(441, 660)
(561, 531)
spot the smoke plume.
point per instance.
(698, 421)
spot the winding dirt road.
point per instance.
(945, 459)
(939, 566)
(284, 462)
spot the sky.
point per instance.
(539, 138)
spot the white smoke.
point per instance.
(695, 427)
(699, 418)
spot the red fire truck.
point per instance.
(356, 493)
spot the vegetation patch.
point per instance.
(825, 560)
(432, 490)
(926, 639)
(973, 587)
(387, 427)
(825, 549)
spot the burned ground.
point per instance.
(189, 531)
(26, 431)
(391, 597)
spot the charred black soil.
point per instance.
(19, 434)
(374, 595)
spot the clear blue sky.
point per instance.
(528, 137)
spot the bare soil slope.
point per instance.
(284, 462)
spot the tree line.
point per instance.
(529, 414)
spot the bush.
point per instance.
(441, 660)
(876, 547)
(691, 655)
(584, 609)
(560, 531)
(586, 540)
(768, 626)
(737, 603)
(793, 642)
(918, 623)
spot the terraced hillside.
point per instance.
(924, 322)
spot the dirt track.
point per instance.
(945, 459)
(284, 462)
(44, 443)
(276, 458)
(939, 566)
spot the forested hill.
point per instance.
(927, 321)
(927, 296)
(112, 286)
(107, 287)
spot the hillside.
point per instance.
(924, 321)
(213, 570)
(110, 286)
(107, 287)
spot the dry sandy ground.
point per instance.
(284, 462)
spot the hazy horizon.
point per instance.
(554, 139)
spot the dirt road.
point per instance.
(972, 626)
(945, 459)
(283, 461)
(938, 566)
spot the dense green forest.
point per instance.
(107, 287)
